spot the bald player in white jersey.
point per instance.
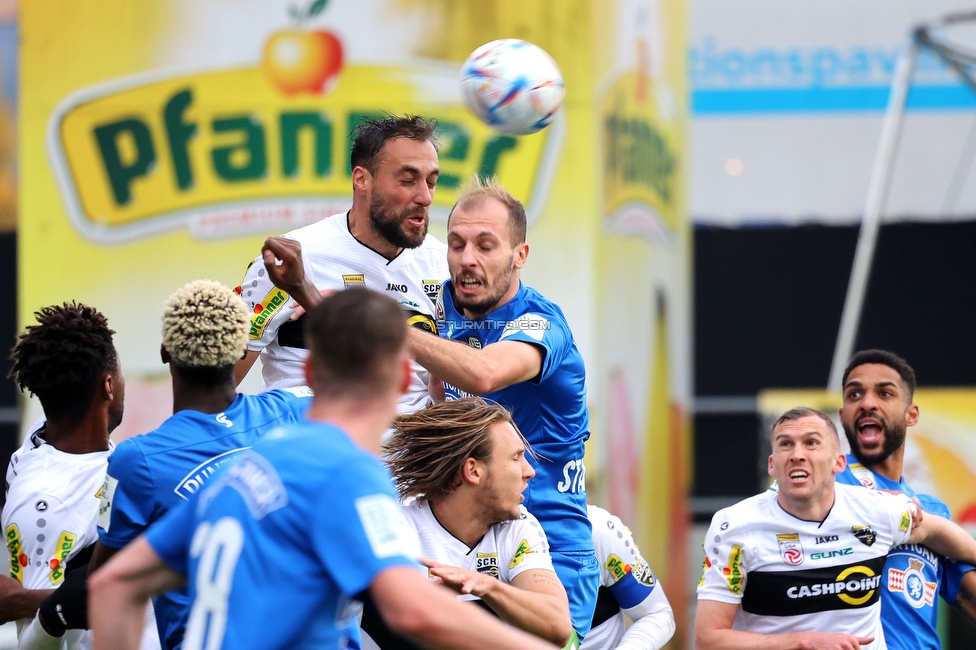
(381, 243)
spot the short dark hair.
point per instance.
(429, 447)
(353, 336)
(62, 358)
(370, 136)
(479, 190)
(883, 358)
(799, 412)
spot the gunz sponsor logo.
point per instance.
(192, 482)
(826, 555)
(864, 534)
(264, 310)
(488, 564)
(66, 542)
(15, 548)
(790, 548)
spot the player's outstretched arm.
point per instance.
(492, 368)
(713, 631)
(16, 602)
(414, 606)
(652, 623)
(945, 538)
(119, 591)
(535, 601)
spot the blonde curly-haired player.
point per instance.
(205, 332)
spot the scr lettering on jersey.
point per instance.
(15, 548)
(574, 477)
(790, 593)
(432, 288)
(198, 476)
(488, 564)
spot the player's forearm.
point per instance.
(726, 639)
(650, 632)
(946, 538)
(456, 363)
(20, 603)
(117, 615)
(543, 615)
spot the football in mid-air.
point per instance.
(513, 86)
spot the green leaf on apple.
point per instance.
(317, 7)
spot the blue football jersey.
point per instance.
(150, 474)
(549, 409)
(914, 577)
(278, 546)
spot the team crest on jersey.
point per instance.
(15, 549)
(864, 476)
(642, 572)
(864, 534)
(520, 552)
(912, 584)
(66, 542)
(439, 312)
(488, 564)
(432, 288)
(356, 280)
(790, 548)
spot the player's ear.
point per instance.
(164, 355)
(840, 463)
(521, 255)
(406, 374)
(309, 374)
(769, 465)
(472, 471)
(362, 180)
(911, 415)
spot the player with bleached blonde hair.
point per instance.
(204, 333)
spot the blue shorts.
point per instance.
(580, 574)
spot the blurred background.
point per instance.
(694, 209)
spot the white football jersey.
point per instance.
(506, 550)
(334, 259)
(49, 516)
(791, 575)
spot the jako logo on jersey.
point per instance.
(402, 288)
(864, 534)
(488, 564)
(18, 559)
(522, 550)
(790, 548)
(264, 310)
(432, 288)
(574, 477)
(66, 542)
(854, 585)
(827, 538)
(222, 418)
(192, 482)
(617, 567)
(733, 571)
(911, 582)
(826, 555)
(357, 280)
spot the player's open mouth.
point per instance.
(869, 431)
(417, 222)
(799, 475)
(469, 284)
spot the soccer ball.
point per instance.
(513, 86)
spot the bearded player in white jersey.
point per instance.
(380, 243)
(463, 465)
(802, 567)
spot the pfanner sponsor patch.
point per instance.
(15, 549)
(265, 310)
(733, 571)
(66, 542)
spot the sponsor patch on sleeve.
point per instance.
(520, 552)
(265, 310)
(386, 528)
(105, 504)
(15, 548)
(66, 542)
(733, 571)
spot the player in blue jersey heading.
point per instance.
(878, 408)
(205, 331)
(508, 343)
(277, 549)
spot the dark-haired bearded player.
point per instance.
(381, 243)
(878, 409)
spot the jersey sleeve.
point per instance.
(362, 530)
(268, 305)
(128, 496)
(170, 537)
(724, 572)
(526, 547)
(42, 535)
(550, 334)
(901, 515)
(622, 568)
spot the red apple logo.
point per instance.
(297, 61)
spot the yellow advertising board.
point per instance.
(161, 142)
